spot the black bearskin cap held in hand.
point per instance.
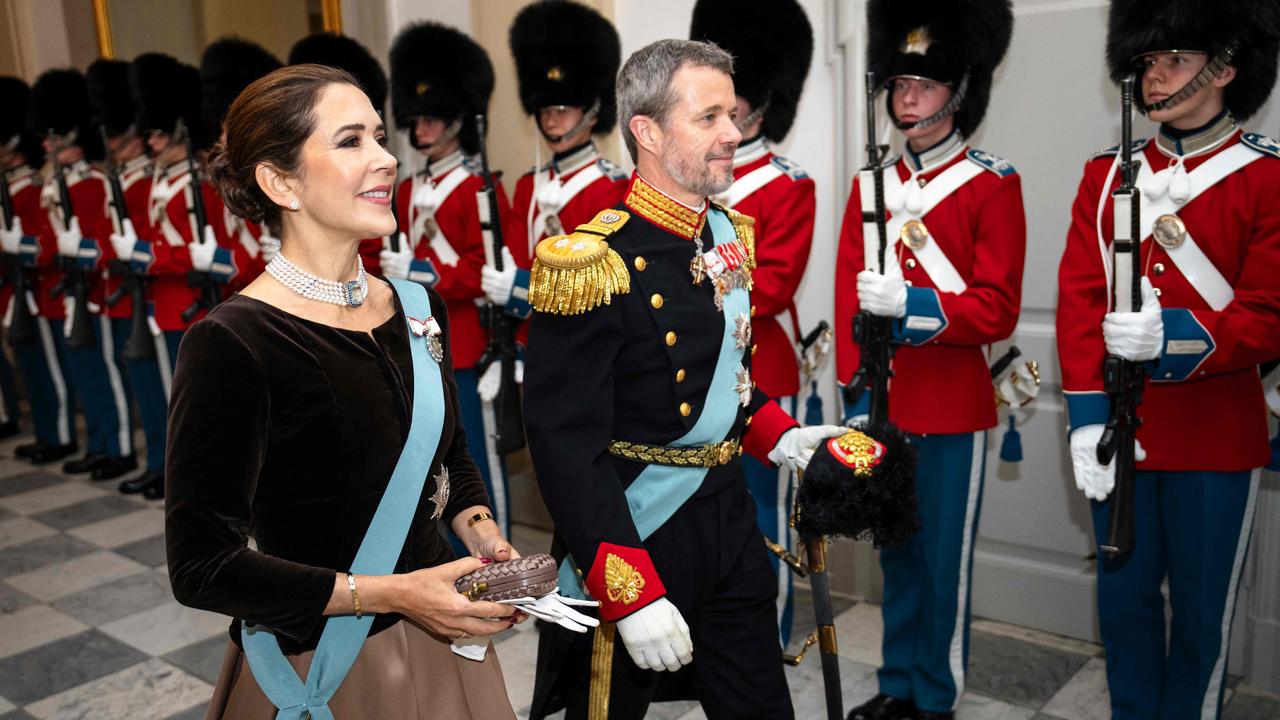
(771, 42)
(860, 485)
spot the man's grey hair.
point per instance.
(644, 83)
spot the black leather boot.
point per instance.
(88, 463)
(114, 467)
(884, 707)
(140, 483)
(48, 453)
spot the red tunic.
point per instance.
(459, 222)
(1236, 223)
(135, 181)
(942, 384)
(88, 190)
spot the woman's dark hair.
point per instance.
(268, 122)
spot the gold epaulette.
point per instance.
(575, 273)
(745, 227)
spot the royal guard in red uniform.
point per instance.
(74, 198)
(567, 57)
(1209, 232)
(20, 154)
(167, 99)
(440, 80)
(347, 54)
(771, 43)
(227, 67)
(951, 285)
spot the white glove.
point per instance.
(883, 295)
(202, 252)
(125, 241)
(497, 285)
(270, 245)
(69, 239)
(557, 609)
(396, 264)
(490, 382)
(11, 239)
(796, 446)
(1136, 336)
(657, 637)
(1092, 477)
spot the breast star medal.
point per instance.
(742, 331)
(440, 497)
(744, 386)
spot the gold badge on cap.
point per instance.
(917, 42)
(914, 234)
(422, 88)
(1169, 231)
(555, 73)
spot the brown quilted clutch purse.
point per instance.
(531, 576)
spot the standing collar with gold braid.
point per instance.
(660, 209)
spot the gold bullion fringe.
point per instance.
(576, 290)
(601, 671)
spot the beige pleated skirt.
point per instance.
(402, 672)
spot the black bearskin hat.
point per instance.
(228, 66)
(344, 53)
(164, 91)
(566, 54)
(60, 102)
(860, 485)
(439, 72)
(1137, 27)
(772, 44)
(109, 97)
(942, 40)
(15, 98)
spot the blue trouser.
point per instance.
(479, 425)
(926, 579)
(1193, 528)
(48, 387)
(101, 391)
(8, 392)
(151, 379)
(772, 489)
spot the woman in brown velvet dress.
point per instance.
(290, 410)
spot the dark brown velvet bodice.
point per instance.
(288, 430)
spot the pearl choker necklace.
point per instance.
(348, 294)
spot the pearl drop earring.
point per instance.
(293, 204)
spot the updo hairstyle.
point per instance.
(268, 122)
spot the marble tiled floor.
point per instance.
(90, 630)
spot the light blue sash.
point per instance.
(343, 636)
(660, 490)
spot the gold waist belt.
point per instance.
(705, 456)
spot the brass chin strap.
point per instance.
(752, 117)
(949, 109)
(587, 117)
(1211, 70)
(450, 133)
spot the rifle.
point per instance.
(22, 324)
(1123, 379)
(502, 329)
(204, 281)
(393, 242)
(874, 334)
(74, 280)
(139, 345)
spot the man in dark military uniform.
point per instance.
(639, 402)
(771, 42)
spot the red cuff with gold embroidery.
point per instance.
(623, 580)
(766, 426)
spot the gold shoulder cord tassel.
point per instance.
(573, 274)
(601, 671)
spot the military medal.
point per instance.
(1169, 231)
(914, 234)
(744, 386)
(440, 498)
(430, 329)
(742, 331)
(429, 227)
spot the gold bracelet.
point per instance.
(478, 517)
(355, 596)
